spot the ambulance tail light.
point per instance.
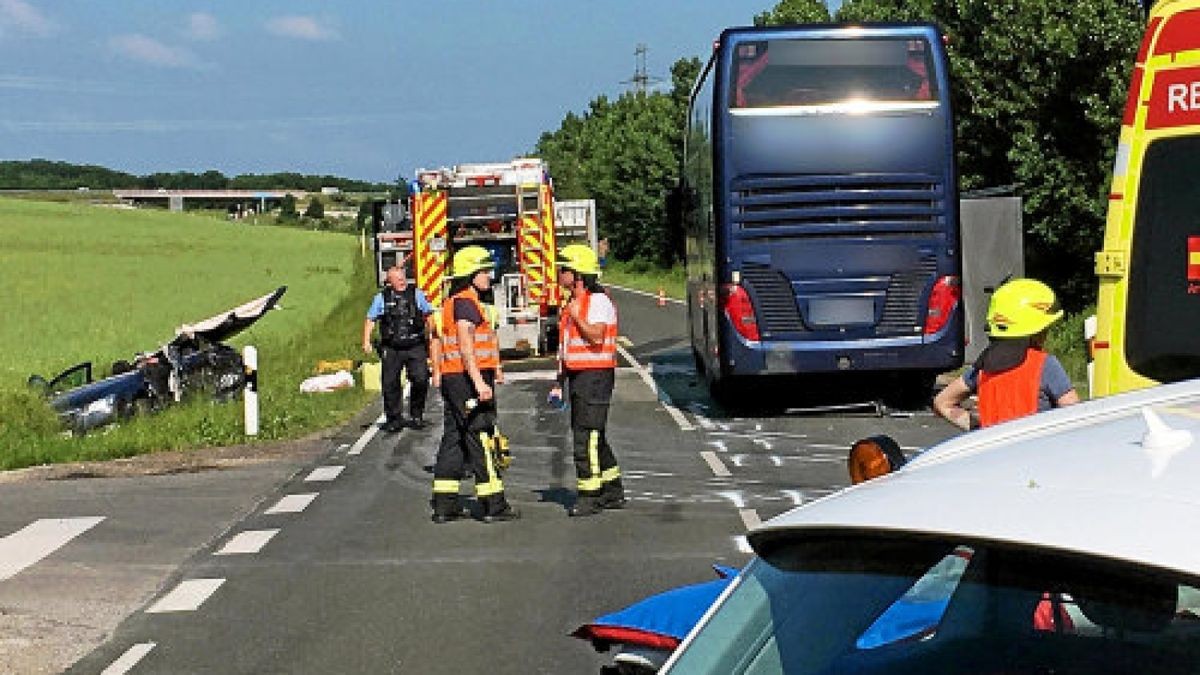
(946, 294)
(735, 303)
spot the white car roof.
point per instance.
(1087, 478)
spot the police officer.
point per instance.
(402, 311)
(587, 359)
(1013, 376)
(469, 367)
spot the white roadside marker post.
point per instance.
(250, 395)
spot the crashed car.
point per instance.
(1058, 543)
(195, 362)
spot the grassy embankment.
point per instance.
(88, 283)
(646, 277)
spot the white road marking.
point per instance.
(648, 295)
(342, 447)
(796, 496)
(718, 467)
(367, 436)
(750, 518)
(187, 596)
(719, 445)
(129, 659)
(663, 396)
(624, 341)
(776, 460)
(543, 375)
(324, 473)
(292, 503)
(738, 460)
(250, 541)
(38, 540)
(764, 444)
(742, 544)
(734, 496)
(767, 434)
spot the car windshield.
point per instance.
(853, 605)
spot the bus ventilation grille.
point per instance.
(849, 205)
(902, 309)
(774, 301)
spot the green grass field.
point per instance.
(93, 283)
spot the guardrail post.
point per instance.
(250, 395)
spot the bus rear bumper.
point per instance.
(797, 357)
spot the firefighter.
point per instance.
(402, 311)
(587, 365)
(469, 367)
(1013, 376)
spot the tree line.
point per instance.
(1038, 87)
(42, 174)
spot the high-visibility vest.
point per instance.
(487, 347)
(579, 354)
(1012, 393)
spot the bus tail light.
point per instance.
(735, 302)
(947, 291)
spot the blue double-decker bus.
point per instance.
(819, 200)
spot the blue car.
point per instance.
(195, 361)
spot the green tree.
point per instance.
(315, 208)
(794, 11)
(625, 154)
(287, 208)
(1038, 87)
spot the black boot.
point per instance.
(447, 508)
(417, 422)
(612, 495)
(496, 509)
(585, 505)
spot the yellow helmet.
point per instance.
(1020, 308)
(470, 259)
(579, 258)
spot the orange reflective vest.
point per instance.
(1012, 393)
(579, 354)
(487, 346)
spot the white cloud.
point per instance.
(20, 18)
(203, 27)
(301, 28)
(148, 50)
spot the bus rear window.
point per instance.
(771, 73)
(1163, 317)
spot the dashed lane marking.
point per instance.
(38, 540)
(367, 436)
(250, 541)
(718, 467)
(663, 397)
(187, 596)
(129, 659)
(292, 503)
(323, 474)
(750, 518)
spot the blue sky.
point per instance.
(358, 89)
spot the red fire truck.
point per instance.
(507, 208)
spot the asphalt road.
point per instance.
(332, 564)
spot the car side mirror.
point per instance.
(874, 457)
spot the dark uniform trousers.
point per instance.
(599, 477)
(464, 436)
(415, 360)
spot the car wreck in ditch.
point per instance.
(196, 362)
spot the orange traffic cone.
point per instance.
(662, 297)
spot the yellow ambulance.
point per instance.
(1149, 268)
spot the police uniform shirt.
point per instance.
(376, 309)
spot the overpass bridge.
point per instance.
(261, 199)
